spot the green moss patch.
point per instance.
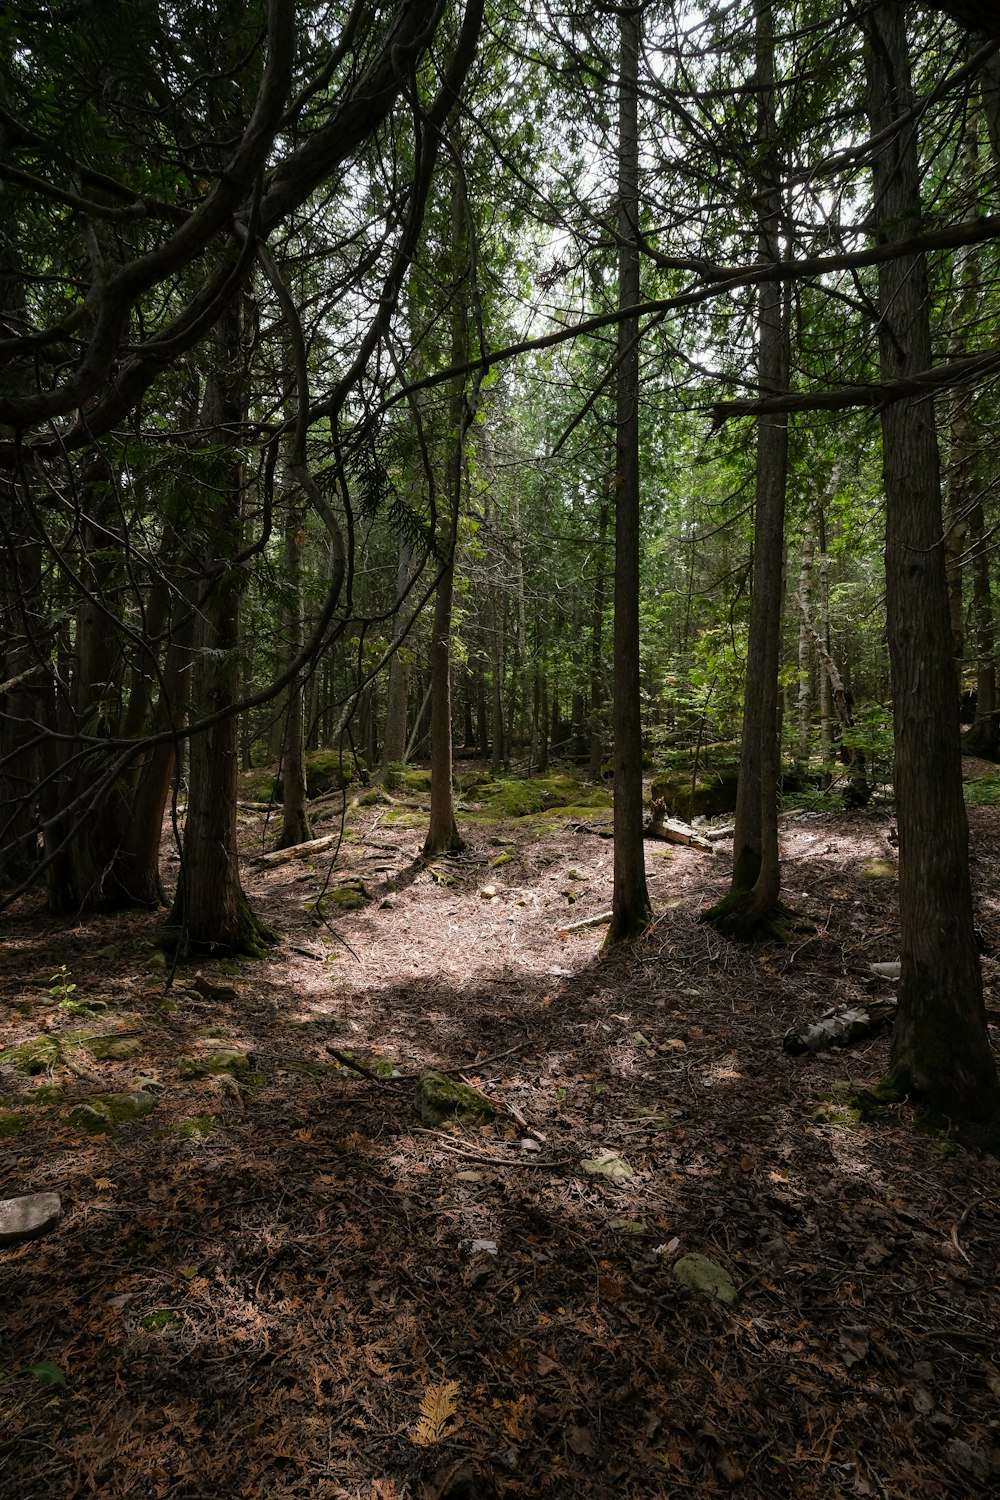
(159, 1320)
(215, 1061)
(511, 797)
(11, 1121)
(106, 1113)
(196, 1129)
(439, 1098)
(34, 1056)
(112, 1048)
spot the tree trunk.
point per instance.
(596, 648)
(443, 836)
(398, 691)
(804, 699)
(295, 825)
(752, 900)
(940, 1047)
(210, 909)
(631, 906)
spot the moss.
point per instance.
(11, 1121)
(34, 1056)
(714, 793)
(195, 1129)
(112, 1048)
(210, 1064)
(405, 819)
(257, 785)
(44, 1093)
(162, 1318)
(501, 859)
(439, 1098)
(511, 797)
(103, 1114)
(879, 869)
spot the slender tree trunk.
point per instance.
(596, 647)
(295, 825)
(804, 699)
(753, 897)
(940, 1047)
(631, 909)
(443, 836)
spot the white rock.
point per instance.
(29, 1217)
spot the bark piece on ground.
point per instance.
(840, 1027)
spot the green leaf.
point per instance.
(47, 1372)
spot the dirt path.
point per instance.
(286, 1285)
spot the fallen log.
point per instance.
(840, 1027)
(298, 851)
(660, 826)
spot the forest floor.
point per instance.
(281, 1283)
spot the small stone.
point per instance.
(28, 1217)
(703, 1275)
(609, 1164)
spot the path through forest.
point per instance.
(281, 1283)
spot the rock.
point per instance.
(703, 1275)
(113, 1048)
(103, 1114)
(28, 1217)
(609, 1164)
(210, 1064)
(438, 1098)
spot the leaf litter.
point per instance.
(284, 1304)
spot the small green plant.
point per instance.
(983, 793)
(61, 985)
(47, 1372)
(162, 1317)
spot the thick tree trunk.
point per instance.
(631, 909)
(940, 1048)
(210, 910)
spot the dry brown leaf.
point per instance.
(439, 1405)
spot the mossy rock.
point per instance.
(11, 1121)
(257, 785)
(105, 1113)
(439, 1098)
(215, 1061)
(511, 797)
(112, 1048)
(329, 771)
(879, 869)
(705, 1276)
(42, 1094)
(405, 819)
(34, 1056)
(714, 793)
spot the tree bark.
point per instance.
(940, 1048)
(631, 906)
(752, 900)
(210, 909)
